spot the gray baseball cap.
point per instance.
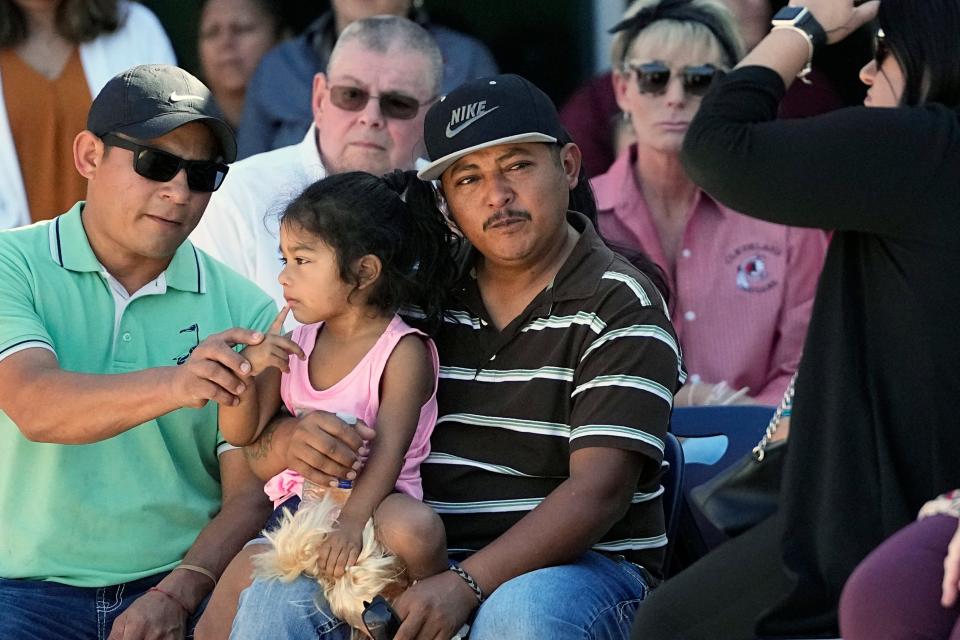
(151, 100)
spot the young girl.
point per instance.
(354, 253)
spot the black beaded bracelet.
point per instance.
(457, 569)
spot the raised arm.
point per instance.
(865, 169)
(243, 422)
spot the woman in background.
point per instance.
(55, 55)
(234, 35)
(742, 288)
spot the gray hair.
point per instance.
(385, 33)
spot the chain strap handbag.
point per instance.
(747, 492)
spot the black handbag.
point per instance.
(747, 492)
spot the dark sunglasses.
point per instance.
(392, 105)
(380, 619)
(155, 164)
(880, 48)
(653, 78)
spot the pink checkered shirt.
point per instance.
(742, 289)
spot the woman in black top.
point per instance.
(874, 430)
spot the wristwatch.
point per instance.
(801, 18)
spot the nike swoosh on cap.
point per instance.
(463, 125)
(179, 97)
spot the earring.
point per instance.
(625, 116)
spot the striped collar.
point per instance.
(70, 248)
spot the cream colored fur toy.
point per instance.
(294, 552)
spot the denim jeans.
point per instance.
(595, 597)
(39, 610)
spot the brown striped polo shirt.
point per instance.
(593, 361)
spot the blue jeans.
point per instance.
(39, 610)
(595, 597)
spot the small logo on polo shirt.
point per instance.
(463, 117)
(195, 330)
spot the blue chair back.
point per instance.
(741, 426)
(672, 482)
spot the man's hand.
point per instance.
(340, 549)
(152, 616)
(274, 350)
(324, 448)
(434, 608)
(214, 371)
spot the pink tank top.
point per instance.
(357, 394)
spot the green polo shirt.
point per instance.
(130, 506)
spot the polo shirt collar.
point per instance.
(620, 191)
(578, 277)
(70, 248)
(310, 156)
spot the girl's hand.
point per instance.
(951, 571)
(275, 350)
(340, 549)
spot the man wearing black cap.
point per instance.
(121, 503)
(558, 369)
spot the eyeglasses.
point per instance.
(392, 105)
(653, 78)
(155, 164)
(380, 619)
(880, 48)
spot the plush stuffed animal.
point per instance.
(294, 552)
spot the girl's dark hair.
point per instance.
(357, 214)
(77, 20)
(924, 36)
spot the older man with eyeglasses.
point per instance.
(368, 116)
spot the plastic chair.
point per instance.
(672, 482)
(741, 425)
(735, 429)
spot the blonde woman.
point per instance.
(742, 289)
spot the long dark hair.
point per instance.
(924, 36)
(77, 20)
(357, 214)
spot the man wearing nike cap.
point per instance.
(558, 368)
(120, 502)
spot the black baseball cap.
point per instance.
(151, 100)
(484, 113)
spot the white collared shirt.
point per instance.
(240, 226)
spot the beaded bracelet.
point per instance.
(457, 569)
(172, 597)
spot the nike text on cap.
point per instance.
(151, 100)
(484, 113)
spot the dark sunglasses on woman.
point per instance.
(392, 105)
(653, 78)
(155, 164)
(880, 48)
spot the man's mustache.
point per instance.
(505, 214)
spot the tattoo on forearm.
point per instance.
(261, 448)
